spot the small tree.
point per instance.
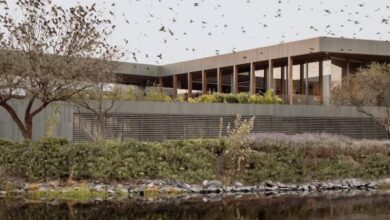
(49, 54)
(100, 99)
(237, 143)
(369, 87)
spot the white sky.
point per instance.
(245, 20)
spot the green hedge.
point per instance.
(50, 159)
(190, 161)
(244, 98)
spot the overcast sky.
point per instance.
(201, 28)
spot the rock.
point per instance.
(215, 183)
(238, 184)
(244, 189)
(54, 183)
(269, 184)
(228, 189)
(213, 189)
(99, 188)
(260, 188)
(353, 183)
(267, 188)
(195, 189)
(371, 185)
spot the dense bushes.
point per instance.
(244, 98)
(276, 157)
(53, 158)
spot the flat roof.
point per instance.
(326, 45)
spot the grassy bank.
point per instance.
(297, 158)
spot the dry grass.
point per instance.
(320, 145)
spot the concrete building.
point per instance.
(300, 72)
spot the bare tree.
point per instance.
(100, 100)
(49, 54)
(369, 87)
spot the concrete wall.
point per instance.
(9, 129)
(162, 118)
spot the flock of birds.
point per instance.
(171, 34)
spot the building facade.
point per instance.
(300, 72)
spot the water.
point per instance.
(351, 205)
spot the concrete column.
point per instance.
(302, 78)
(252, 74)
(219, 80)
(189, 84)
(283, 83)
(321, 80)
(270, 75)
(204, 82)
(160, 83)
(174, 86)
(235, 79)
(326, 85)
(307, 82)
(290, 81)
(348, 67)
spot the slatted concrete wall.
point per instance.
(167, 126)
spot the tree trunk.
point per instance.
(99, 127)
(388, 131)
(29, 127)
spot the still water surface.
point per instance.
(350, 205)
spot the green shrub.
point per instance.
(277, 157)
(243, 98)
(155, 95)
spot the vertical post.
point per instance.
(235, 79)
(348, 67)
(283, 83)
(321, 80)
(174, 86)
(270, 75)
(219, 80)
(204, 82)
(301, 79)
(290, 80)
(252, 79)
(307, 82)
(189, 84)
(160, 83)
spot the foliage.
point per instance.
(268, 98)
(49, 53)
(154, 94)
(369, 87)
(50, 159)
(237, 142)
(250, 160)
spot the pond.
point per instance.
(315, 206)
